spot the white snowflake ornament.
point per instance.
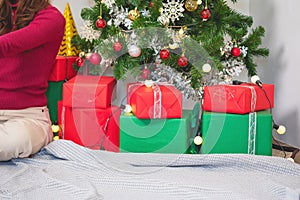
(88, 33)
(145, 13)
(244, 51)
(173, 9)
(108, 3)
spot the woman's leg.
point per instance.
(23, 132)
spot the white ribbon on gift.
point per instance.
(252, 121)
(157, 108)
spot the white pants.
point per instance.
(24, 132)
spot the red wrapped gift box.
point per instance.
(238, 99)
(86, 127)
(89, 91)
(63, 68)
(158, 101)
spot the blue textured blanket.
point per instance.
(64, 170)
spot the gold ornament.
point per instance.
(67, 48)
(133, 14)
(191, 5)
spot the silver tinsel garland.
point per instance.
(167, 74)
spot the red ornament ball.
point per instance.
(145, 73)
(235, 51)
(182, 61)
(164, 54)
(117, 46)
(151, 5)
(95, 58)
(205, 14)
(100, 23)
(79, 62)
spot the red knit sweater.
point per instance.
(26, 60)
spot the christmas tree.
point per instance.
(189, 43)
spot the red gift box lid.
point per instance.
(141, 99)
(239, 99)
(89, 91)
(63, 68)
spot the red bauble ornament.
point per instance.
(100, 23)
(117, 46)
(164, 54)
(151, 5)
(95, 58)
(205, 14)
(79, 62)
(145, 73)
(235, 51)
(182, 61)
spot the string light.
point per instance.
(148, 83)
(198, 140)
(256, 80)
(280, 129)
(128, 109)
(55, 129)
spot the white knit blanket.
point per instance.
(64, 170)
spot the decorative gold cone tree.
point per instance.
(66, 47)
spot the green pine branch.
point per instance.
(203, 44)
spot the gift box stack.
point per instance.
(87, 116)
(155, 121)
(236, 119)
(63, 69)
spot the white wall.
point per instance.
(75, 6)
(281, 21)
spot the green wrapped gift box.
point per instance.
(158, 135)
(54, 94)
(237, 133)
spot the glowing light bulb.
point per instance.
(255, 79)
(148, 83)
(56, 138)
(281, 130)
(206, 68)
(198, 140)
(55, 128)
(128, 108)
